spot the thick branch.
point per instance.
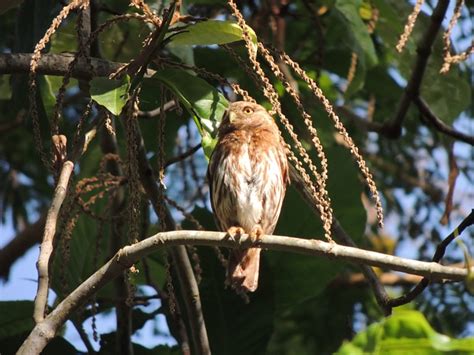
(56, 64)
(127, 256)
(393, 128)
(41, 298)
(18, 246)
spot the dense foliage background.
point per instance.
(304, 305)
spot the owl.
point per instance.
(248, 175)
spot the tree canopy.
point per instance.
(108, 116)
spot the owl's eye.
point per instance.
(248, 110)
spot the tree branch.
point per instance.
(56, 64)
(157, 111)
(18, 246)
(393, 128)
(439, 124)
(46, 249)
(127, 256)
(181, 263)
(440, 250)
(183, 156)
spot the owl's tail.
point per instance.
(243, 269)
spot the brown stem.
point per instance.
(18, 246)
(46, 249)
(123, 311)
(439, 124)
(181, 263)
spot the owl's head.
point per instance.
(244, 114)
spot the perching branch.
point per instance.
(127, 256)
(46, 249)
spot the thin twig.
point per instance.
(127, 256)
(182, 156)
(440, 250)
(157, 111)
(439, 124)
(46, 250)
(83, 335)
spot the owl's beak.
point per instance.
(232, 116)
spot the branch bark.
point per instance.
(41, 298)
(181, 263)
(127, 256)
(393, 128)
(439, 124)
(56, 64)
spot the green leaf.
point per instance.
(65, 38)
(434, 89)
(5, 90)
(201, 100)
(16, 318)
(112, 94)
(212, 32)
(406, 331)
(365, 46)
(49, 86)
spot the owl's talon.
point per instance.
(256, 234)
(235, 233)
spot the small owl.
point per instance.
(248, 175)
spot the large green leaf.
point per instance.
(211, 32)
(16, 323)
(65, 38)
(350, 10)
(16, 318)
(347, 34)
(201, 100)
(112, 94)
(406, 331)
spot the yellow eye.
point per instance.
(248, 110)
